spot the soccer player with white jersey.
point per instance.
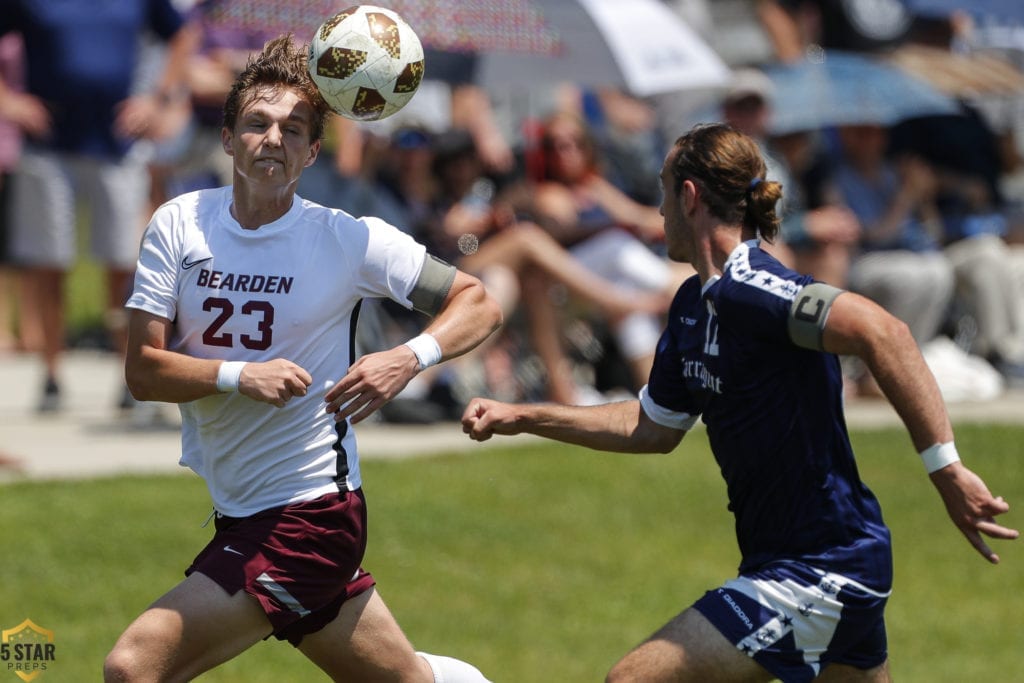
(751, 347)
(244, 308)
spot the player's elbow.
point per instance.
(663, 444)
(139, 377)
(491, 316)
(651, 437)
(497, 318)
(137, 386)
(885, 334)
(477, 304)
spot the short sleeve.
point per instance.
(156, 273)
(391, 264)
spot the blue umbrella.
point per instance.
(1005, 9)
(846, 89)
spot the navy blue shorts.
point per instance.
(794, 620)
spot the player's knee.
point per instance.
(620, 673)
(121, 665)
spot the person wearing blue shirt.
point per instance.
(82, 115)
(751, 348)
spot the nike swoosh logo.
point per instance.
(186, 264)
(229, 549)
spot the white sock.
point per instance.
(451, 670)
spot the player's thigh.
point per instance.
(841, 673)
(190, 629)
(363, 643)
(688, 648)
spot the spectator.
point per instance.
(859, 25)
(447, 99)
(608, 232)
(477, 226)
(81, 122)
(900, 264)
(11, 64)
(747, 107)
(989, 299)
(820, 231)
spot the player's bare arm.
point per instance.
(466, 316)
(620, 427)
(857, 326)
(155, 373)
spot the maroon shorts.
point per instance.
(301, 561)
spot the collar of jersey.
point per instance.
(272, 228)
(741, 250)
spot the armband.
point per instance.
(228, 375)
(808, 314)
(432, 287)
(427, 350)
(938, 456)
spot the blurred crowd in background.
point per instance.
(896, 130)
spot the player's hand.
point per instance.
(483, 418)
(972, 507)
(28, 112)
(372, 381)
(274, 382)
(832, 224)
(138, 116)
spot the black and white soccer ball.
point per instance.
(367, 62)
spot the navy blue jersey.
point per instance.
(81, 58)
(774, 419)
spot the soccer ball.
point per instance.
(367, 62)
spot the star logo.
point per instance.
(26, 649)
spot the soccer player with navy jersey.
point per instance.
(243, 312)
(751, 348)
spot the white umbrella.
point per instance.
(640, 46)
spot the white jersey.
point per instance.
(286, 290)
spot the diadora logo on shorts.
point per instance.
(27, 650)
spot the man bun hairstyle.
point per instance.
(730, 171)
(281, 64)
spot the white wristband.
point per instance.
(228, 375)
(427, 350)
(938, 456)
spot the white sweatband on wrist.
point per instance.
(228, 375)
(427, 350)
(938, 456)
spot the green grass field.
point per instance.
(537, 563)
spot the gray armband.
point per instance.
(808, 314)
(433, 285)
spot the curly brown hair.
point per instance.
(281, 64)
(730, 170)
